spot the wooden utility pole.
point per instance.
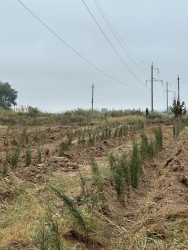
(92, 99)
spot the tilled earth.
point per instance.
(153, 212)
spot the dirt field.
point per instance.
(154, 216)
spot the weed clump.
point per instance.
(47, 235)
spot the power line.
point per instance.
(112, 46)
(114, 33)
(57, 89)
(185, 79)
(71, 48)
(60, 94)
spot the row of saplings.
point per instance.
(80, 217)
(12, 157)
(89, 137)
(126, 172)
(107, 133)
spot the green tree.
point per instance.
(8, 95)
(178, 109)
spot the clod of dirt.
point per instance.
(17, 245)
(69, 156)
(179, 152)
(168, 161)
(76, 236)
(178, 168)
(184, 180)
(158, 198)
(46, 152)
(155, 231)
(59, 159)
(155, 235)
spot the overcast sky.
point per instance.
(47, 74)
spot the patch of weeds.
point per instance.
(47, 235)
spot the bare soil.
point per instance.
(155, 216)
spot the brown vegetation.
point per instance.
(61, 192)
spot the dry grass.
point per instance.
(164, 231)
(126, 119)
(165, 228)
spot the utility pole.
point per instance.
(167, 97)
(152, 87)
(92, 99)
(178, 88)
(167, 91)
(152, 81)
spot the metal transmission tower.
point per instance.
(167, 91)
(92, 98)
(152, 81)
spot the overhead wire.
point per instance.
(71, 48)
(110, 43)
(184, 79)
(120, 43)
(57, 89)
(60, 94)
